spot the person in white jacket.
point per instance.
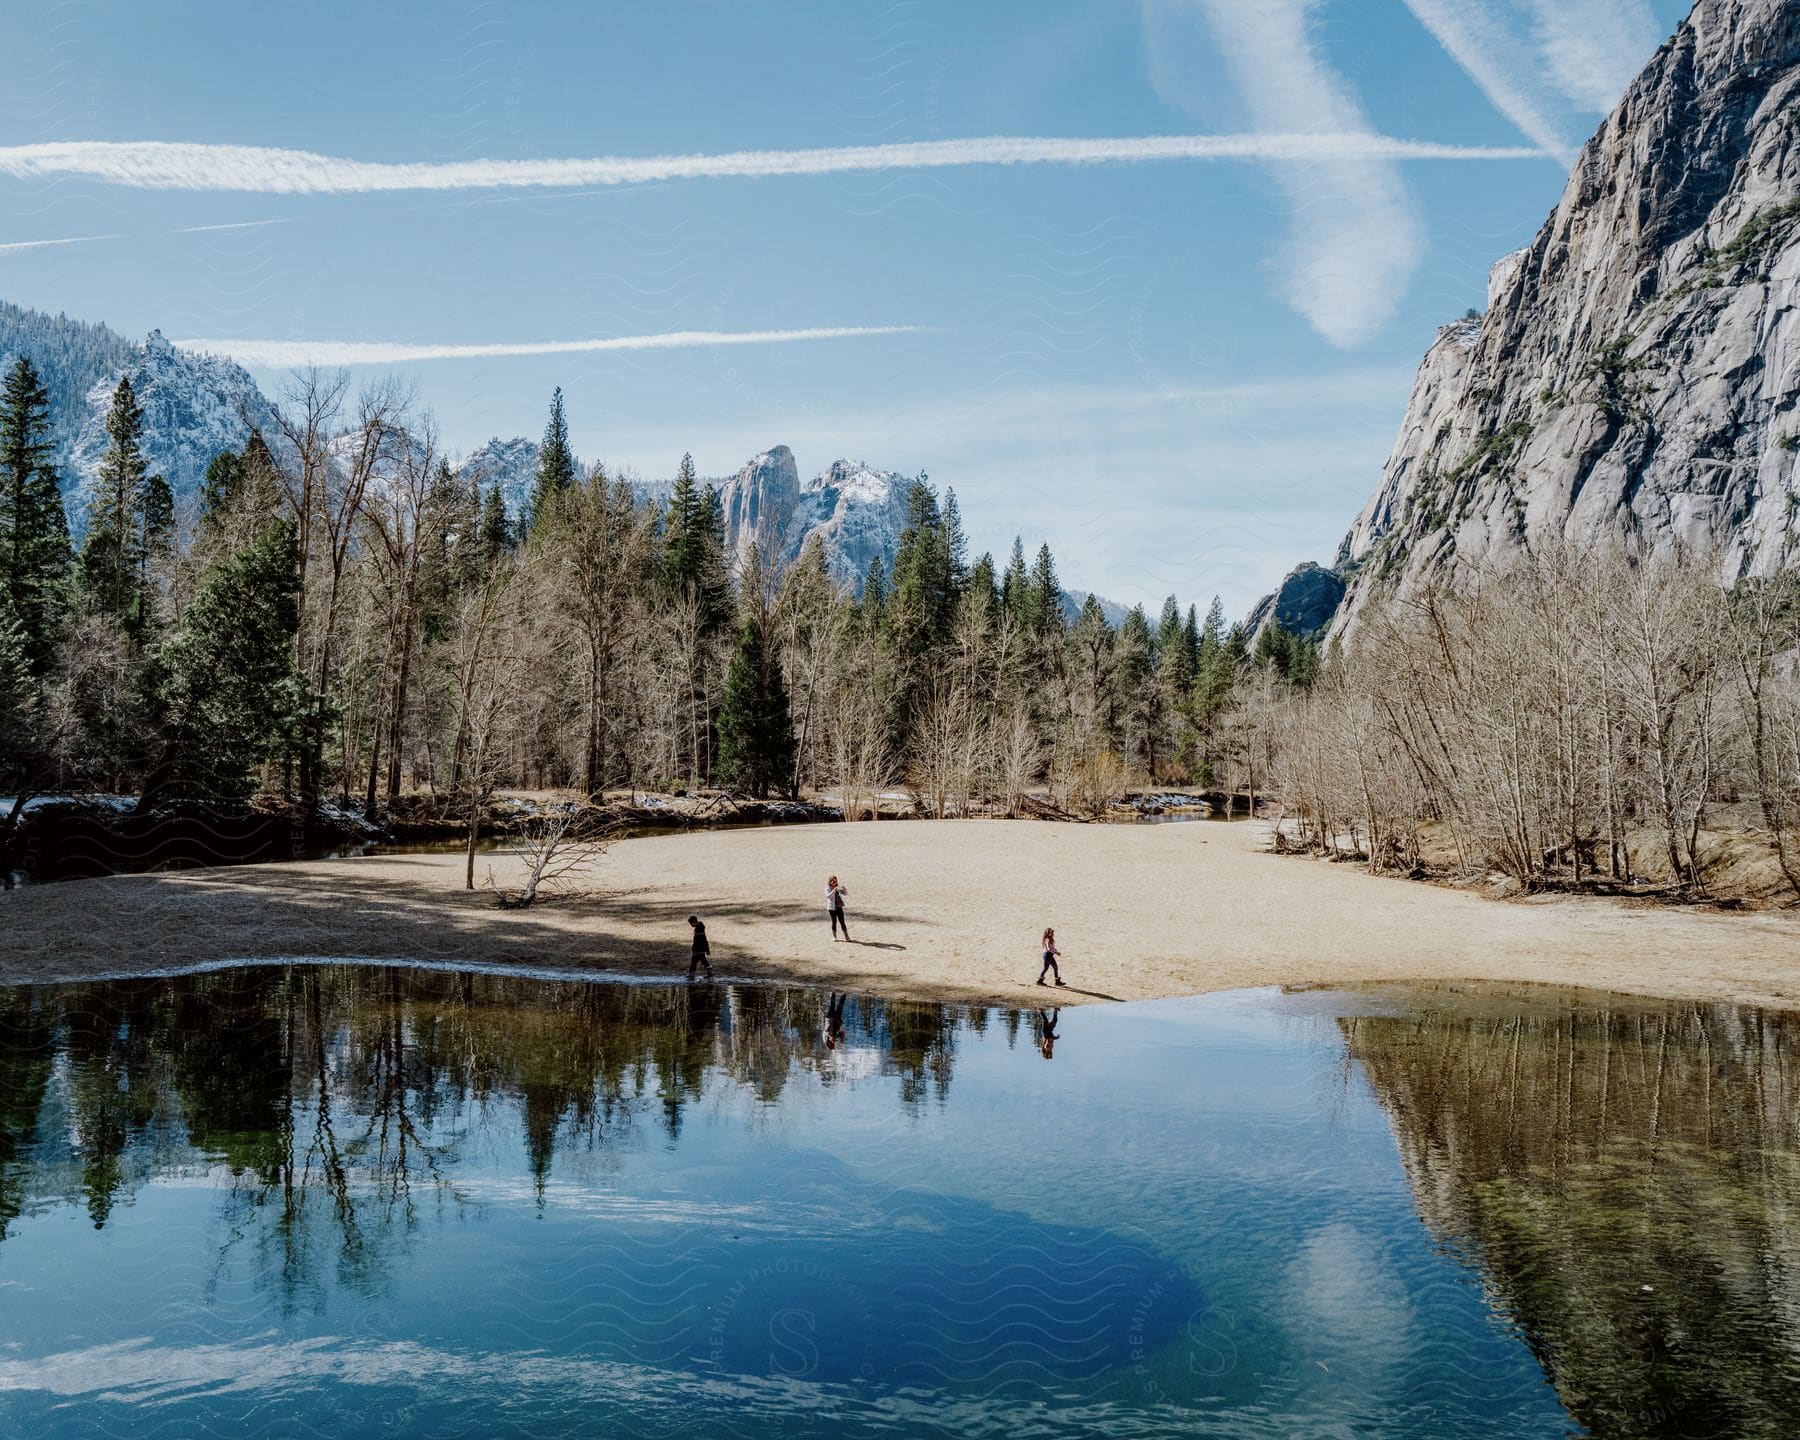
(834, 907)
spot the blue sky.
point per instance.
(1184, 373)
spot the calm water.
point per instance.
(348, 1201)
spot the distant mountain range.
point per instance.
(856, 510)
(196, 405)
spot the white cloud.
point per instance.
(1546, 64)
(159, 165)
(1492, 50)
(1355, 235)
(1595, 47)
(281, 354)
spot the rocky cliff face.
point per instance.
(1637, 371)
(857, 511)
(758, 503)
(1304, 604)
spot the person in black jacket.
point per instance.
(702, 952)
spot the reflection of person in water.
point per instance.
(703, 1010)
(702, 951)
(834, 1020)
(1047, 1035)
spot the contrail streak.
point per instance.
(41, 244)
(279, 354)
(160, 165)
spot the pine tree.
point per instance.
(19, 699)
(219, 489)
(681, 528)
(556, 462)
(873, 594)
(230, 695)
(110, 558)
(1221, 656)
(1094, 652)
(1135, 682)
(1175, 683)
(239, 496)
(34, 531)
(956, 543)
(496, 530)
(450, 548)
(923, 590)
(984, 585)
(694, 547)
(756, 728)
(1015, 587)
(1043, 604)
(156, 526)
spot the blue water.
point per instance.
(351, 1201)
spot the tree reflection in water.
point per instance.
(340, 1100)
(1628, 1180)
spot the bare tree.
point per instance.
(481, 675)
(560, 843)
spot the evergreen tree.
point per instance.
(984, 585)
(681, 527)
(1221, 656)
(496, 530)
(156, 527)
(220, 488)
(922, 595)
(694, 546)
(873, 595)
(1135, 681)
(1175, 681)
(111, 557)
(19, 700)
(230, 695)
(756, 729)
(556, 462)
(1015, 587)
(34, 531)
(956, 543)
(240, 493)
(1292, 658)
(450, 548)
(1043, 605)
(1093, 649)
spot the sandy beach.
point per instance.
(948, 910)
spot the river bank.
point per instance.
(938, 909)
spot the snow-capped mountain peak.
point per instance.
(194, 405)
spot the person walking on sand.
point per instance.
(1050, 954)
(834, 907)
(702, 952)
